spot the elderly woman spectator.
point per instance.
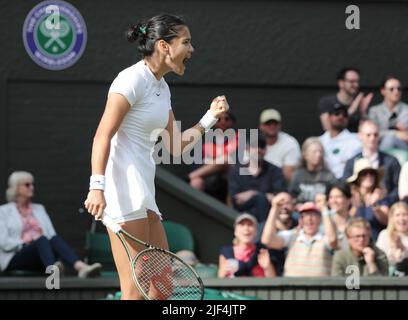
(361, 252)
(245, 257)
(369, 198)
(312, 177)
(394, 240)
(28, 240)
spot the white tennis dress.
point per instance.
(130, 170)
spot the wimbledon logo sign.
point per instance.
(54, 35)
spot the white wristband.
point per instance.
(97, 182)
(208, 120)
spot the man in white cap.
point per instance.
(282, 149)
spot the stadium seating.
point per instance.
(400, 154)
(179, 236)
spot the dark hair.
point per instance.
(146, 32)
(342, 73)
(342, 186)
(385, 79)
(376, 175)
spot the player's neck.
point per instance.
(156, 66)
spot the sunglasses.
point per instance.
(28, 184)
(392, 89)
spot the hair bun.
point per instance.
(132, 34)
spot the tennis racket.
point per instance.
(157, 273)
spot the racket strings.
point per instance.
(164, 277)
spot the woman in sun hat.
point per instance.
(369, 198)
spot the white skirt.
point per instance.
(130, 173)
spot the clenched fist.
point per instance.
(219, 106)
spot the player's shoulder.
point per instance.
(135, 72)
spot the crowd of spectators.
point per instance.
(338, 200)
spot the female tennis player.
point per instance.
(138, 104)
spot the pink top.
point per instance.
(31, 228)
(244, 254)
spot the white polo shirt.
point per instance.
(284, 152)
(339, 149)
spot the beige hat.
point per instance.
(270, 114)
(362, 165)
(245, 216)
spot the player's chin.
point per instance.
(180, 70)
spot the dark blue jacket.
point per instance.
(270, 180)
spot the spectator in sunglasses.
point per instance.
(28, 240)
(391, 115)
(348, 96)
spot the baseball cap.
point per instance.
(270, 114)
(245, 216)
(337, 107)
(309, 207)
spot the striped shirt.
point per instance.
(307, 257)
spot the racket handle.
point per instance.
(107, 221)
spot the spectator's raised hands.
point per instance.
(321, 202)
(373, 198)
(264, 260)
(365, 102)
(361, 102)
(369, 255)
(279, 200)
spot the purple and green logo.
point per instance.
(54, 35)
